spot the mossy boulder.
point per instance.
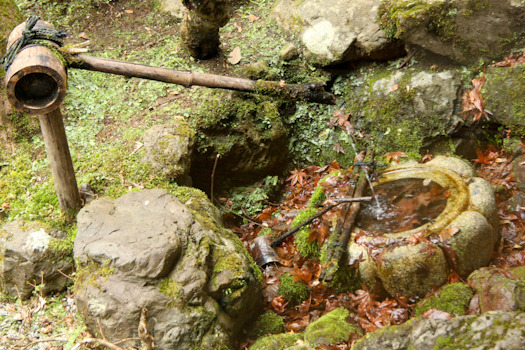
(499, 288)
(503, 96)
(249, 137)
(148, 249)
(445, 27)
(453, 298)
(169, 148)
(330, 329)
(403, 111)
(492, 330)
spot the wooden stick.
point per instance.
(60, 161)
(305, 92)
(279, 240)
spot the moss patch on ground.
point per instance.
(268, 323)
(302, 237)
(330, 329)
(453, 298)
(295, 292)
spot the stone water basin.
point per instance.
(457, 230)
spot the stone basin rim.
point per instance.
(450, 180)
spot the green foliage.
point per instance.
(269, 323)
(453, 298)
(294, 292)
(253, 199)
(302, 237)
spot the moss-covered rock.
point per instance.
(249, 136)
(402, 111)
(268, 323)
(503, 96)
(276, 342)
(444, 27)
(330, 329)
(295, 292)
(453, 298)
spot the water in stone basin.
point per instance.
(404, 204)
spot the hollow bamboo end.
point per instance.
(36, 81)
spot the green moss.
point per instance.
(276, 342)
(330, 329)
(90, 272)
(345, 280)
(60, 250)
(294, 292)
(317, 198)
(453, 298)
(268, 323)
(173, 290)
(503, 96)
(302, 237)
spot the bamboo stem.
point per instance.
(60, 161)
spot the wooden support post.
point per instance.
(60, 162)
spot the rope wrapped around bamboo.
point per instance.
(36, 79)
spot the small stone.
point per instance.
(289, 52)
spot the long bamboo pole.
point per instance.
(306, 92)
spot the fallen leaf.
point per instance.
(252, 18)
(297, 177)
(394, 88)
(436, 314)
(128, 11)
(235, 56)
(394, 156)
(448, 232)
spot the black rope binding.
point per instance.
(31, 36)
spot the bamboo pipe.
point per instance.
(307, 92)
(36, 81)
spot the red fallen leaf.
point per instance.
(279, 304)
(394, 156)
(473, 101)
(436, 314)
(427, 157)
(488, 157)
(448, 232)
(298, 176)
(318, 233)
(301, 274)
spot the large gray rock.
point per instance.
(147, 249)
(403, 110)
(465, 31)
(169, 148)
(335, 31)
(499, 289)
(493, 330)
(31, 254)
(503, 96)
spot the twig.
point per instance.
(65, 275)
(412, 54)
(102, 342)
(213, 174)
(45, 340)
(279, 240)
(145, 337)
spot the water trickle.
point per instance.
(402, 205)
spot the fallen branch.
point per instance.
(279, 240)
(145, 337)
